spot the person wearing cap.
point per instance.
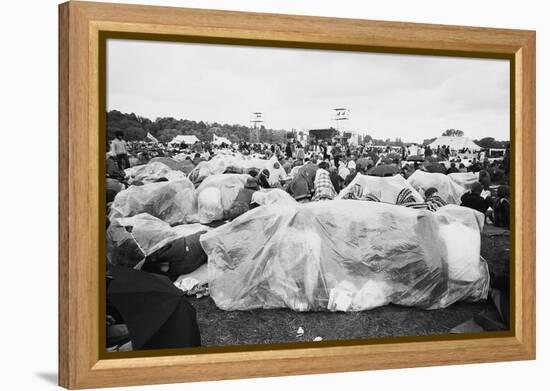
(242, 202)
(473, 199)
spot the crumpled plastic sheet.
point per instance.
(228, 185)
(150, 172)
(173, 202)
(464, 179)
(185, 166)
(272, 196)
(386, 189)
(221, 162)
(346, 255)
(448, 190)
(130, 240)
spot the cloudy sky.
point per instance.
(388, 95)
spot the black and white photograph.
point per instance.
(268, 195)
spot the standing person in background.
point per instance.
(120, 150)
(336, 151)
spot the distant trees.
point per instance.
(166, 128)
(453, 133)
(490, 142)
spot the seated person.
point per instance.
(472, 199)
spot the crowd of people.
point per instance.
(320, 170)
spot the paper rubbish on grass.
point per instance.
(346, 255)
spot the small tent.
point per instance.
(187, 139)
(455, 143)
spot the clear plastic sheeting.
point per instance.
(172, 202)
(448, 189)
(385, 189)
(344, 255)
(131, 240)
(464, 179)
(212, 205)
(151, 172)
(221, 162)
(272, 196)
(185, 166)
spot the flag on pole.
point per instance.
(151, 137)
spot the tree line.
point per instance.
(164, 129)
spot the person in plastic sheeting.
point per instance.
(473, 199)
(120, 150)
(241, 204)
(322, 184)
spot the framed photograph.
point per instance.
(249, 195)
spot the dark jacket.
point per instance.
(475, 201)
(335, 179)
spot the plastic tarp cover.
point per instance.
(172, 202)
(216, 195)
(131, 240)
(185, 166)
(343, 255)
(448, 190)
(386, 189)
(272, 196)
(220, 163)
(464, 179)
(149, 173)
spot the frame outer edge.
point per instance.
(77, 366)
(64, 367)
(528, 184)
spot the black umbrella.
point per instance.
(383, 170)
(155, 311)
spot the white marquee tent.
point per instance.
(455, 143)
(187, 139)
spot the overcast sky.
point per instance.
(388, 95)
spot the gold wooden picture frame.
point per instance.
(83, 29)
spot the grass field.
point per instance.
(222, 328)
